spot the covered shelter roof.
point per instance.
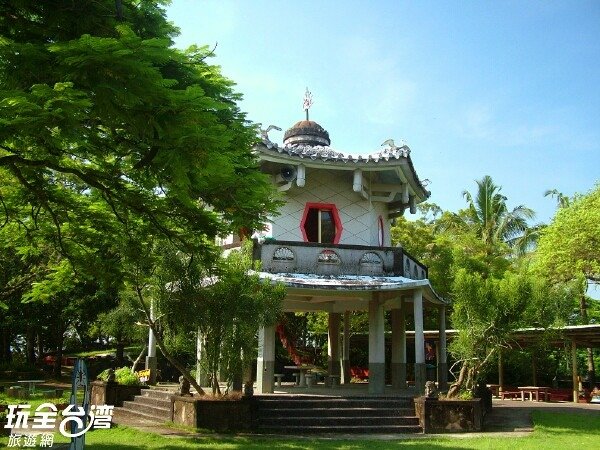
(583, 335)
(338, 293)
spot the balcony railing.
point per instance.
(332, 259)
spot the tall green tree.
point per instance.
(569, 250)
(229, 303)
(96, 101)
(111, 139)
(489, 217)
(487, 310)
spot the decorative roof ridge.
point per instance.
(325, 152)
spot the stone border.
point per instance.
(449, 416)
(105, 393)
(214, 415)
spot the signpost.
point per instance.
(80, 380)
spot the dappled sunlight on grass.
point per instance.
(552, 430)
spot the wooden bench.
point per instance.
(510, 394)
(560, 395)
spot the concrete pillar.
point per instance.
(333, 347)
(399, 347)
(265, 364)
(442, 361)
(500, 373)
(201, 375)
(346, 350)
(575, 376)
(151, 358)
(376, 346)
(420, 372)
(533, 369)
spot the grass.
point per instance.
(133, 350)
(36, 399)
(552, 430)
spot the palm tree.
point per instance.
(562, 200)
(488, 216)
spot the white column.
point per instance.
(265, 364)
(420, 375)
(201, 377)
(376, 346)
(442, 362)
(575, 376)
(500, 373)
(398, 365)
(346, 350)
(151, 358)
(333, 348)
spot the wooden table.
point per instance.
(533, 390)
(31, 384)
(303, 370)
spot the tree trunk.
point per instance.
(60, 338)
(139, 358)
(162, 346)
(40, 348)
(119, 353)
(455, 387)
(30, 345)
(6, 353)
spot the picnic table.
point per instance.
(31, 384)
(495, 388)
(303, 370)
(533, 390)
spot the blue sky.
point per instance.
(509, 89)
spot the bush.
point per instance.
(124, 376)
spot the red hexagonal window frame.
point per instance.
(322, 207)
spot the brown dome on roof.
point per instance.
(306, 132)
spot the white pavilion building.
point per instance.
(331, 246)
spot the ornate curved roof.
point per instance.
(323, 155)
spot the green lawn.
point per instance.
(552, 430)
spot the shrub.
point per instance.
(124, 376)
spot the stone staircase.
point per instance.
(319, 414)
(152, 406)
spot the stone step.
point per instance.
(337, 421)
(335, 403)
(356, 429)
(334, 412)
(170, 387)
(152, 401)
(153, 411)
(157, 394)
(143, 418)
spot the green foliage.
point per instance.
(488, 214)
(228, 306)
(487, 310)
(111, 140)
(569, 248)
(123, 376)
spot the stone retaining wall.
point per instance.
(449, 416)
